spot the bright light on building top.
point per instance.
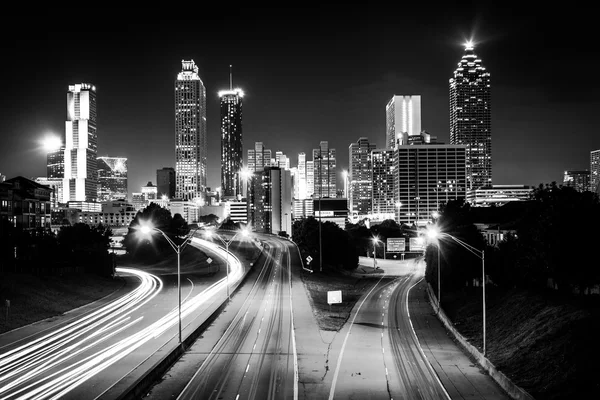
(469, 45)
(234, 92)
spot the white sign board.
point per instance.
(417, 244)
(334, 296)
(396, 245)
(323, 213)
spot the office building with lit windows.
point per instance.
(498, 195)
(190, 133)
(471, 117)
(300, 181)
(579, 180)
(426, 176)
(231, 142)
(360, 177)
(382, 186)
(324, 171)
(55, 166)
(310, 179)
(402, 115)
(112, 178)
(80, 182)
(595, 171)
(270, 201)
(281, 160)
(258, 157)
(165, 183)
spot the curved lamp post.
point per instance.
(147, 229)
(434, 233)
(210, 234)
(376, 240)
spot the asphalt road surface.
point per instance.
(255, 357)
(380, 357)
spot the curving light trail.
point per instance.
(56, 363)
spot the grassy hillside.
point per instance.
(33, 297)
(546, 343)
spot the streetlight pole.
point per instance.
(320, 158)
(226, 243)
(178, 249)
(478, 253)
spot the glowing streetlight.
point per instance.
(433, 233)
(145, 229)
(210, 234)
(376, 240)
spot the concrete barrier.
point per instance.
(513, 390)
(143, 384)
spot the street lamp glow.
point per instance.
(433, 233)
(213, 234)
(146, 228)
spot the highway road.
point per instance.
(95, 352)
(380, 357)
(255, 358)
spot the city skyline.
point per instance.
(313, 79)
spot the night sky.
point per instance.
(324, 73)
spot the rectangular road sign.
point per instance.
(417, 244)
(395, 245)
(334, 296)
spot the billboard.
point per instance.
(417, 244)
(396, 245)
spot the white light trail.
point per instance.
(24, 370)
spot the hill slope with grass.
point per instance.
(546, 343)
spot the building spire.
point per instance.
(230, 78)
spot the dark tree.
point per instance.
(210, 219)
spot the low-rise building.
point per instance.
(25, 204)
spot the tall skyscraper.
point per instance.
(80, 181)
(112, 178)
(324, 171)
(258, 158)
(231, 141)
(382, 193)
(403, 115)
(595, 171)
(301, 182)
(360, 176)
(471, 117)
(165, 182)
(190, 133)
(310, 178)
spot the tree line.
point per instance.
(73, 247)
(552, 245)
